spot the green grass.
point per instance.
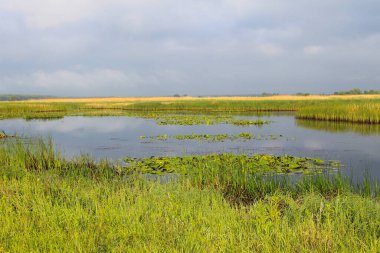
(48, 203)
(220, 105)
(360, 109)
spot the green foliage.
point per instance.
(357, 91)
(225, 164)
(243, 136)
(200, 119)
(18, 97)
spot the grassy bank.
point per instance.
(360, 108)
(48, 203)
(357, 112)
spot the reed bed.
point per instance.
(363, 112)
(48, 203)
(359, 108)
(185, 98)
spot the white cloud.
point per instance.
(64, 81)
(313, 50)
(138, 14)
(50, 13)
(270, 49)
(106, 82)
(160, 47)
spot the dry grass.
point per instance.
(111, 99)
(170, 99)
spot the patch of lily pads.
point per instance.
(189, 120)
(230, 163)
(243, 136)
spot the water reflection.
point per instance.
(340, 127)
(356, 146)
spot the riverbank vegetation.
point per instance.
(359, 112)
(207, 203)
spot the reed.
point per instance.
(358, 112)
(363, 108)
(48, 203)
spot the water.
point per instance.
(357, 147)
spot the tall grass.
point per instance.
(48, 203)
(358, 112)
(35, 110)
(351, 109)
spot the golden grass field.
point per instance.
(350, 108)
(169, 99)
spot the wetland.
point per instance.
(102, 177)
(356, 146)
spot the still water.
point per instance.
(357, 147)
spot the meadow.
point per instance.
(48, 203)
(348, 108)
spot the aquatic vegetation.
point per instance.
(257, 163)
(249, 122)
(189, 120)
(243, 136)
(48, 203)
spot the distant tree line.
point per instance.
(178, 95)
(15, 97)
(356, 91)
(268, 94)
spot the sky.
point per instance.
(193, 47)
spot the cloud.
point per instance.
(270, 49)
(99, 82)
(312, 50)
(67, 80)
(163, 47)
(46, 14)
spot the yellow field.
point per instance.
(170, 99)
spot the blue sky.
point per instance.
(209, 47)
